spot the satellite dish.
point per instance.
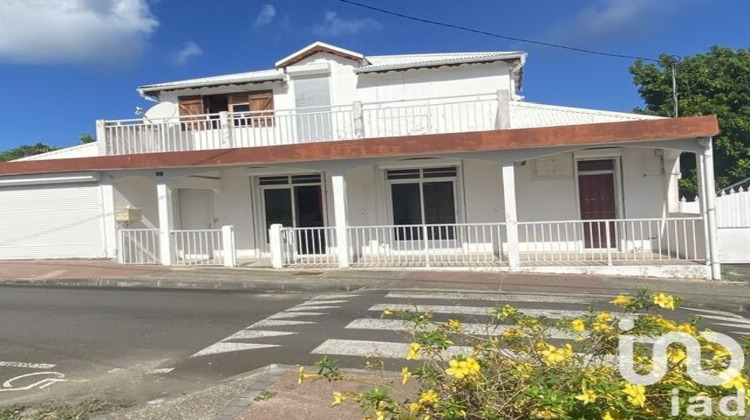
(160, 112)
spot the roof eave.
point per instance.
(440, 63)
(151, 90)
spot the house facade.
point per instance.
(337, 159)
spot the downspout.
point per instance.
(710, 194)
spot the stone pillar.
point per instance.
(511, 215)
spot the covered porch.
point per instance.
(604, 209)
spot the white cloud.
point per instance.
(189, 50)
(105, 32)
(333, 25)
(264, 18)
(611, 18)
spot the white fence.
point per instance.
(138, 246)
(611, 242)
(732, 221)
(301, 125)
(469, 244)
(308, 246)
(197, 247)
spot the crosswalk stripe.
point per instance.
(322, 302)
(287, 315)
(310, 308)
(222, 347)
(326, 297)
(713, 312)
(471, 328)
(727, 324)
(727, 318)
(382, 349)
(266, 323)
(494, 297)
(249, 334)
(479, 310)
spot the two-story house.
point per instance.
(338, 159)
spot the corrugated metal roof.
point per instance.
(248, 77)
(534, 115)
(393, 62)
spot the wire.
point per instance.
(506, 37)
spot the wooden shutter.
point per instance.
(190, 109)
(262, 101)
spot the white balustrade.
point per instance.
(138, 246)
(198, 247)
(315, 246)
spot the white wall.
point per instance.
(138, 192)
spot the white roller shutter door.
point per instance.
(51, 221)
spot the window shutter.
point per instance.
(262, 101)
(190, 108)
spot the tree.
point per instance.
(24, 151)
(716, 82)
(86, 138)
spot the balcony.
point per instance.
(304, 125)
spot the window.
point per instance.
(423, 197)
(254, 109)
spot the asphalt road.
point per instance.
(138, 345)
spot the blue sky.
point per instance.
(66, 63)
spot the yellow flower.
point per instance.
(663, 300)
(413, 407)
(587, 395)
(459, 369)
(387, 312)
(578, 325)
(737, 381)
(545, 414)
(512, 333)
(405, 375)
(554, 355)
(622, 300)
(602, 327)
(508, 311)
(302, 375)
(338, 398)
(604, 316)
(636, 394)
(687, 329)
(413, 351)
(676, 356)
(429, 397)
(610, 415)
(454, 324)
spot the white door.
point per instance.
(312, 98)
(51, 221)
(195, 209)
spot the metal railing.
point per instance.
(440, 245)
(315, 246)
(300, 125)
(197, 247)
(611, 242)
(138, 246)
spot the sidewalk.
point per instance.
(734, 295)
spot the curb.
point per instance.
(267, 376)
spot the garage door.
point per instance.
(54, 221)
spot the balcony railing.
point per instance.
(301, 125)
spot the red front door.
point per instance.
(597, 197)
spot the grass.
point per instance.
(263, 396)
(81, 411)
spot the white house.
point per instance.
(334, 158)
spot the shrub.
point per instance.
(521, 367)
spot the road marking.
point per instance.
(161, 371)
(287, 315)
(326, 297)
(382, 349)
(27, 365)
(471, 328)
(322, 302)
(494, 297)
(249, 334)
(727, 318)
(481, 310)
(278, 323)
(222, 347)
(713, 312)
(54, 377)
(310, 308)
(727, 324)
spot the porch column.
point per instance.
(709, 191)
(511, 216)
(101, 137)
(108, 210)
(338, 187)
(164, 202)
